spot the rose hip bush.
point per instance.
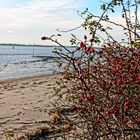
(109, 101)
(104, 89)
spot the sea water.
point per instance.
(23, 61)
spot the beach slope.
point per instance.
(25, 103)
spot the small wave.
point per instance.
(44, 58)
(38, 59)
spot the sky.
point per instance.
(26, 21)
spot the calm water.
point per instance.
(23, 61)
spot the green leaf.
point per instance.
(91, 58)
(136, 44)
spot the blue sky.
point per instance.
(25, 21)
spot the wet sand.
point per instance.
(25, 103)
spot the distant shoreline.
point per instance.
(29, 45)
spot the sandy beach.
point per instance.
(25, 103)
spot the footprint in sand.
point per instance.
(22, 87)
(40, 101)
(17, 91)
(49, 85)
(19, 113)
(26, 83)
(5, 86)
(35, 80)
(41, 82)
(2, 103)
(34, 85)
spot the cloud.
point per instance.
(35, 17)
(39, 9)
(10, 31)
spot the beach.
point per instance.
(25, 103)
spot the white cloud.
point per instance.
(10, 31)
(36, 17)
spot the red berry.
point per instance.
(91, 50)
(126, 107)
(125, 82)
(85, 37)
(81, 44)
(114, 82)
(139, 77)
(90, 98)
(132, 78)
(91, 40)
(84, 48)
(128, 103)
(108, 113)
(100, 52)
(120, 81)
(116, 106)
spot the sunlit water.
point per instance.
(24, 61)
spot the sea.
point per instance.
(25, 61)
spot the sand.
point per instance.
(25, 103)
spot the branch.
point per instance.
(73, 29)
(116, 24)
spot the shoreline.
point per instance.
(24, 77)
(13, 71)
(25, 102)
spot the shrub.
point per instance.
(104, 90)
